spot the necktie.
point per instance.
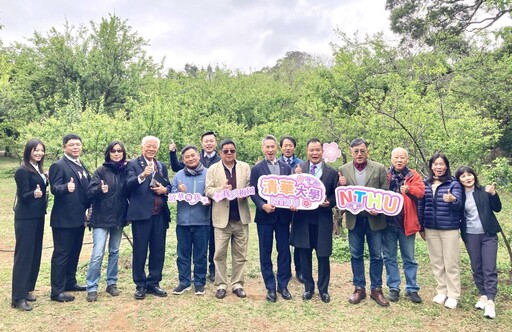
(289, 161)
(313, 169)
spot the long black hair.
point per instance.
(29, 147)
(447, 175)
(110, 147)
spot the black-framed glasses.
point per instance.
(116, 151)
(231, 151)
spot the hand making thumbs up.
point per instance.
(342, 181)
(71, 185)
(38, 193)
(491, 189)
(181, 187)
(104, 187)
(448, 197)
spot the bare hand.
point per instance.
(227, 186)
(159, 189)
(148, 170)
(342, 180)
(172, 146)
(491, 189)
(104, 187)
(38, 193)
(325, 203)
(181, 187)
(373, 213)
(448, 197)
(404, 189)
(71, 185)
(268, 208)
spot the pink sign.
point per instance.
(232, 194)
(357, 198)
(190, 198)
(331, 152)
(302, 191)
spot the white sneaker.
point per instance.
(439, 298)
(490, 311)
(482, 302)
(451, 303)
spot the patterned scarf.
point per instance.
(193, 172)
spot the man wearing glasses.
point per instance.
(230, 218)
(364, 172)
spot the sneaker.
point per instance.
(199, 289)
(92, 296)
(451, 303)
(414, 296)
(180, 289)
(112, 290)
(394, 295)
(439, 298)
(482, 302)
(490, 310)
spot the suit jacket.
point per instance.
(299, 236)
(68, 208)
(177, 165)
(376, 177)
(263, 217)
(215, 181)
(141, 197)
(27, 206)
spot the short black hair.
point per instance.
(314, 140)
(226, 142)
(358, 141)
(290, 138)
(189, 147)
(69, 137)
(208, 133)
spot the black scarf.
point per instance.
(397, 179)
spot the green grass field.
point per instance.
(189, 312)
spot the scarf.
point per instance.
(397, 179)
(193, 172)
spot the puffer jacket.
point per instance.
(435, 213)
(108, 209)
(197, 214)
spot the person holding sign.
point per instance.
(439, 214)
(401, 229)
(69, 180)
(29, 212)
(148, 185)
(107, 191)
(271, 220)
(312, 229)
(479, 231)
(193, 223)
(363, 172)
(230, 218)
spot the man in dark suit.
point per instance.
(147, 183)
(69, 180)
(271, 220)
(208, 157)
(312, 229)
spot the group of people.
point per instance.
(121, 192)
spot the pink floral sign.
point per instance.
(232, 194)
(190, 198)
(331, 152)
(357, 198)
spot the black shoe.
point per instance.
(63, 297)
(76, 288)
(220, 294)
(299, 277)
(307, 295)
(394, 295)
(92, 296)
(157, 291)
(140, 293)
(414, 296)
(31, 297)
(211, 277)
(284, 293)
(271, 296)
(325, 297)
(112, 290)
(21, 305)
(240, 292)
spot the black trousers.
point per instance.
(67, 245)
(27, 256)
(148, 234)
(306, 263)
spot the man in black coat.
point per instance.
(150, 217)
(69, 180)
(271, 220)
(312, 229)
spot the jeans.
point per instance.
(99, 240)
(356, 238)
(391, 236)
(192, 244)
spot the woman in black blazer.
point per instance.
(29, 212)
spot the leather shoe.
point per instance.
(21, 304)
(240, 292)
(76, 288)
(211, 277)
(325, 297)
(140, 293)
(284, 293)
(299, 277)
(220, 294)
(31, 297)
(157, 291)
(307, 295)
(271, 296)
(394, 295)
(358, 295)
(63, 297)
(378, 297)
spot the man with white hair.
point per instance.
(147, 183)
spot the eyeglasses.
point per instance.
(362, 151)
(229, 151)
(116, 151)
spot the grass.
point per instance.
(189, 312)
